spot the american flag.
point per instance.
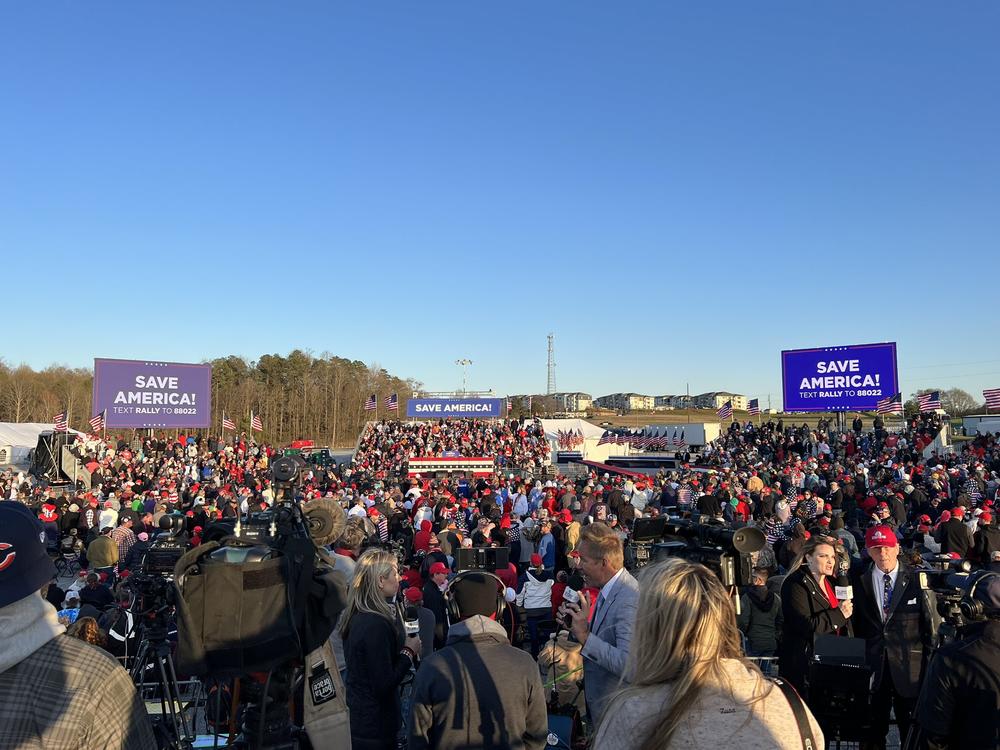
(726, 410)
(97, 423)
(61, 424)
(676, 439)
(372, 403)
(392, 402)
(682, 443)
(929, 401)
(605, 438)
(753, 407)
(890, 405)
(620, 439)
(255, 423)
(992, 396)
(227, 423)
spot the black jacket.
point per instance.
(904, 641)
(955, 537)
(959, 705)
(375, 667)
(985, 542)
(806, 613)
(434, 601)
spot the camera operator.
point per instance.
(893, 616)
(56, 692)
(959, 703)
(378, 654)
(478, 691)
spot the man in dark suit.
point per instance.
(894, 616)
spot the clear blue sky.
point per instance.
(677, 191)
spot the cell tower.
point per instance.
(551, 387)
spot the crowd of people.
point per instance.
(643, 657)
(385, 446)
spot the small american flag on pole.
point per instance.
(227, 423)
(97, 422)
(392, 402)
(605, 438)
(726, 410)
(929, 401)
(61, 424)
(372, 403)
(255, 423)
(676, 440)
(682, 443)
(992, 396)
(753, 407)
(890, 405)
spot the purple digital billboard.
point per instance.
(138, 393)
(838, 378)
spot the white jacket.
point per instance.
(535, 594)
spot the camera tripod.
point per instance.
(171, 730)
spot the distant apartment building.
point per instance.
(571, 402)
(662, 403)
(626, 402)
(715, 399)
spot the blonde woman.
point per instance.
(377, 654)
(689, 686)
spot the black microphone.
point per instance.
(843, 589)
(411, 621)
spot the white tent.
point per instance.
(21, 438)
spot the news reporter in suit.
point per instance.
(895, 618)
(810, 608)
(607, 635)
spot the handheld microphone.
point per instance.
(411, 623)
(843, 589)
(571, 594)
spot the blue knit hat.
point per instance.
(25, 565)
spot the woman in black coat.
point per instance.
(809, 608)
(378, 656)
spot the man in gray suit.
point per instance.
(605, 630)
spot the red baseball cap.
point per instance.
(880, 536)
(536, 560)
(413, 594)
(438, 567)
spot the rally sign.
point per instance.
(455, 408)
(839, 378)
(138, 393)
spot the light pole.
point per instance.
(464, 364)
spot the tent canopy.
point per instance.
(22, 437)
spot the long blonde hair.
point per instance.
(685, 626)
(365, 595)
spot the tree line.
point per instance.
(296, 396)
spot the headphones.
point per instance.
(451, 606)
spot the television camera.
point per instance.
(729, 553)
(257, 598)
(953, 583)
